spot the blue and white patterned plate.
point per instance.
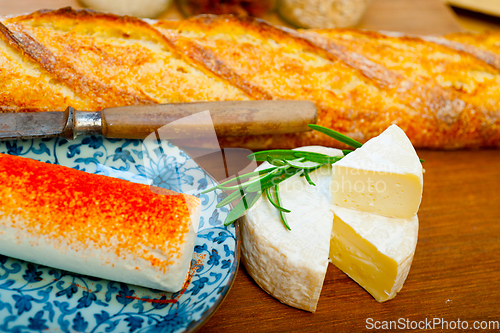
(35, 298)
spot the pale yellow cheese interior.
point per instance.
(375, 251)
(384, 193)
(361, 260)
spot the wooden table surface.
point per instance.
(456, 270)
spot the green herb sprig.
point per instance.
(285, 164)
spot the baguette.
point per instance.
(443, 97)
(96, 225)
(484, 46)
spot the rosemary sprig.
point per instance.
(241, 207)
(306, 174)
(336, 135)
(282, 213)
(277, 203)
(238, 179)
(284, 163)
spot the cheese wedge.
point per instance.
(96, 225)
(375, 251)
(384, 176)
(291, 265)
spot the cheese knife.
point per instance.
(230, 118)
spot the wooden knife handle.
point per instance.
(230, 118)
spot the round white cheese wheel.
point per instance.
(291, 265)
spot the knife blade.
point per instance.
(230, 118)
(32, 125)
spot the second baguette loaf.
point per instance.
(362, 82)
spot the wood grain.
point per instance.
(456, 269)
(230, 118)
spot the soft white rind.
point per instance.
(100, 262)
(291, 265)
(390, 152)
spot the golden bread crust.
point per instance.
(442, 94)
(115, 60)
(485, 46)
(27, 86)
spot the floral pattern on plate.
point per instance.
(38, 298)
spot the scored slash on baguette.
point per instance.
(362, 82)
(452, 82)
(484, 46)
(119, 60)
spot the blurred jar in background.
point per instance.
(320, 14)
(238, 7)
(143, 8)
